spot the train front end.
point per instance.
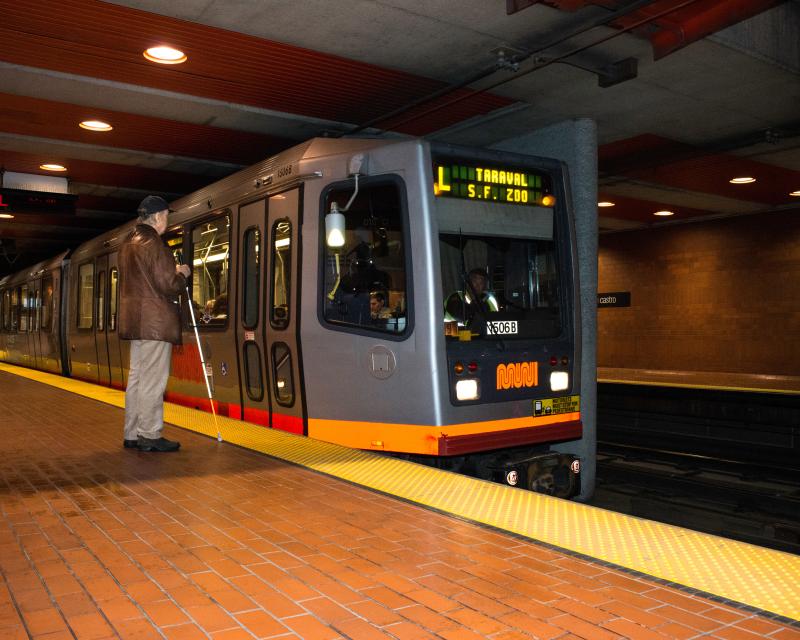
(510, 319)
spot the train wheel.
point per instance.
(552, 477)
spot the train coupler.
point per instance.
(554, 474)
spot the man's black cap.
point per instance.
(151, 205)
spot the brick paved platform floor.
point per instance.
(219, 542)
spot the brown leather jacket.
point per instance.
(148, 287)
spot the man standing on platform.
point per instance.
(149, 318)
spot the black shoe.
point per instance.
(130, 444)
(157, 444)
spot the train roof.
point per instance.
(34, 271)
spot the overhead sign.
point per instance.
(507, 184)
(18, 201)
(615, 299)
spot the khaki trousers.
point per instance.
(144, 396)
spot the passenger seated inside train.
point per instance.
(462, 306)
(379, 313)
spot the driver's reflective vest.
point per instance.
(464, 298)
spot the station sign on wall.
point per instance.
(614, 299)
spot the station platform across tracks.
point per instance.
(314, 540)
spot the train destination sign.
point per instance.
(510, 185)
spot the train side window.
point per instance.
(113, 282)
(282, 273)
(252, 371)
(282, 374)
(36, 307)
(47, 304)
(6, 317)
(252, 262)
(23, 308)
(85, 295)
(101, 300)
(365, 285)
(14, 310)
(211, 241)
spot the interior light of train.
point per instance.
(95, 125)
(606, 203)
(165, 55)
(281, 383)
(664, 213)
(509, 185)
(216, 257)
(467, 389)
(283, 242)
(742, 180)
(559, 380)
(52, 167)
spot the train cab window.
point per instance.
(252, 265)
(282, 375)
(24, 305)
(365, 283)
(211, 242)
(101, 301)
(113, 287)
(85, 295)
(499, 267)
(281, 273)
(47, 304)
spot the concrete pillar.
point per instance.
(575, 142)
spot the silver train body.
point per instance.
(332, 286)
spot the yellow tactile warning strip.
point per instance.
(761, 578)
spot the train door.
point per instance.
(282, 326)
(115, 361)
(100, 312)
(34, 326)
(82, 345)
(251, 323)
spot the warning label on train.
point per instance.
(555, 406)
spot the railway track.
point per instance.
(754, 503)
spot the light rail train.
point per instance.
(334, 292)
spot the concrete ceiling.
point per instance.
(686, 94)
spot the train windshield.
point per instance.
(500, 276)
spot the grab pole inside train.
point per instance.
(200, 351)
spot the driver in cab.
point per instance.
(461, 306)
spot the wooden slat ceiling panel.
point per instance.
(96, 39)
(106, 174)
(48, 119)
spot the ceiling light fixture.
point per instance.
(95, 125)
(742, 180)
(53, 167)
(795, 193)
(606, 203)
(664, 213)
(165, 55)
(6, 215)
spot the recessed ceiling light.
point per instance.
(742, 180)
(53, 167)
(664, 213)
(795, 193)
(606, 203)
(165, 55)
(6, 215)
(95, 125)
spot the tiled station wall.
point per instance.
(721, 295)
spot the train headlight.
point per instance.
(467, 389)
(559, 380)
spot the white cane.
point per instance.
(200, 351)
